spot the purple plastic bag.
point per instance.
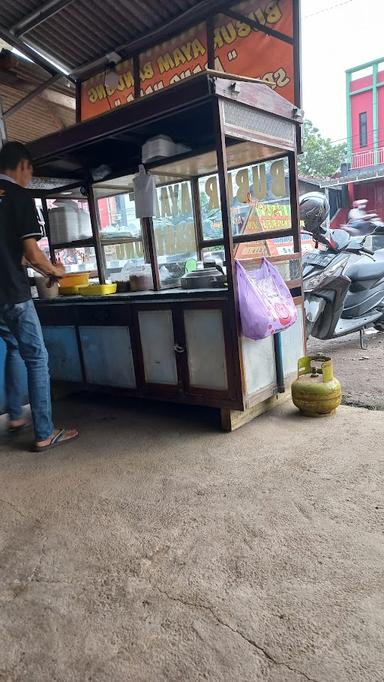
(265, 302)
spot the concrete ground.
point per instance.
(361, 372)
(158, 549)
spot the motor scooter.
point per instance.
(343, 286)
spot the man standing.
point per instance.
(19, 324)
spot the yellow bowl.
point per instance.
(74, 280)
(98, 289)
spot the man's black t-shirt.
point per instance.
(18, 221)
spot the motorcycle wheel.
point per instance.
(379, 325)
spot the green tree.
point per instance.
(321, 158)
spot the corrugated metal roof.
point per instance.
(82, 31)
(45, 114)
(12, 12)
(75, 33)
(35, 119)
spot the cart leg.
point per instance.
(231, 420)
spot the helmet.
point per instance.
(314, 209)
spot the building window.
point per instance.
(363, 129)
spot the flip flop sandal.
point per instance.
(56, 441)
(14, 430)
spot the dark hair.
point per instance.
(11, 154)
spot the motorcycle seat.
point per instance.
(365, 269)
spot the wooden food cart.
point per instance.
(232, 187)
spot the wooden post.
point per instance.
(3, 130)
(48, 229)
(294, 197)
(78, 101)
(136, 76)
(218, 122)
(197, 216)
(211, 41)
(149, 239)
(95, 223)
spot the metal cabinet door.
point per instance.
(63, 351)
(158, 347)
(259, 366)
(107, 355)
(205, 347)
(293, 344)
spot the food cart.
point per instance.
(229, 187)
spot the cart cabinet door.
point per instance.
(107, 355)
(259, 366)
(63, 351)
(158, 346)
(205, 344)
(293, 345)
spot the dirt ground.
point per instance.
(158, 549)
(361, 372)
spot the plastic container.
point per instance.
(71, 291)
(68, 223)
(161, 147)
(122, 287)
(85, 227)
(44, 291)
(98, 290)
(141, 282)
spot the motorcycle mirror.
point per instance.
(339, 239)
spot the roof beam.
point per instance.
(38, 59)
(3, 130)
(58, 98)
(254, 23)
(38, 16)
(31, 95)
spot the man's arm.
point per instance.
(36, 258)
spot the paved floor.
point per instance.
(158, 549)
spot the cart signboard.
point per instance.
(238, 47)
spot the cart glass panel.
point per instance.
(117, 217)
(79, 259)
(122, 258)
(259, 200)
(120, 235)
(174, 227)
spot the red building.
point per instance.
(365, 114)
(363, 175)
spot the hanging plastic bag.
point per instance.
(265, 302)
(145, 194)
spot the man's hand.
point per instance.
(59, 270)
(37, 260)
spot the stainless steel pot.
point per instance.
(203, 279)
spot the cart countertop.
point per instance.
(139, 296)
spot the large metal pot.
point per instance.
(203, 279)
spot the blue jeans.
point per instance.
(21, 330)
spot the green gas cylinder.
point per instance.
(316, 392)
